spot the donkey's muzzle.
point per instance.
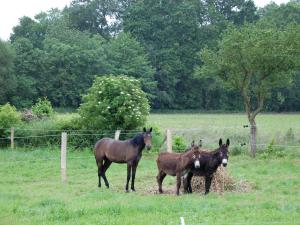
(197, 164)
(148, 147)
(224, 162)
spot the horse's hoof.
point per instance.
(126, 191)
(133, 190)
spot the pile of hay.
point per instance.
(221, 182)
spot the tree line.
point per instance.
(58, 53)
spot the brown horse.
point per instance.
(177, 164)
(210, 161)
(108, 150)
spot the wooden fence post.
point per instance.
(63, 157)
(12, 134)
(117, 134)
(169, 140)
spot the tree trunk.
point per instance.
(253, 133)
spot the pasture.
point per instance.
(31, 191)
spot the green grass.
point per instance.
(211, 127)
(31, 193)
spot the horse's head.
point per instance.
(147, 137)
(224, 151)
(196, 156)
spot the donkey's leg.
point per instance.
(107, 163)
(160, 177)
(134, 166)
(208, 179)
(128, 175)
(178, 178)
(189, 179)
(187, 183)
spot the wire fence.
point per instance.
(209, 136)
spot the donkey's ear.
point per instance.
(150, 129)
(220, 142)
(193, 143)
(200, 143)
(227, 142)
(144, 129)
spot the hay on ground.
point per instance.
(221, 182)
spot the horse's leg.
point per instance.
(134, 166)
(100, 167)
(107, 163)
(128, 175)
(208, 179)
(160, 177)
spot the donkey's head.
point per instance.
(147, 138)
(223, 151)
(196, 156)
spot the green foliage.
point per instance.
(126, 56)
(114, 103)
(43, 108)
(7, 77)
(59, 52)
(273, 151)
(9, 116)
(179, 144)
(245, 61)
(236, 150)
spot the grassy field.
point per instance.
(210, 127)
(31, 191)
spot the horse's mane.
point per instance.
(137, 140)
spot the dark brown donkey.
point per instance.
(177, 164)
(210, 161)
(108, 150)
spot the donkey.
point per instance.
(177, 164)
(209, 162)
(108, 150)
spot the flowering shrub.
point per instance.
(114, 103)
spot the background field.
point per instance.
(31, 192)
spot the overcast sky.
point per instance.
(12, 10)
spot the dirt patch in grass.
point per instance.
(222, 182)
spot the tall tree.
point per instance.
(254, 60)
(102, 17)
(7, 77)
(125, 55)
(172, 32)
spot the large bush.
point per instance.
(9, 116)
(114, 103)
